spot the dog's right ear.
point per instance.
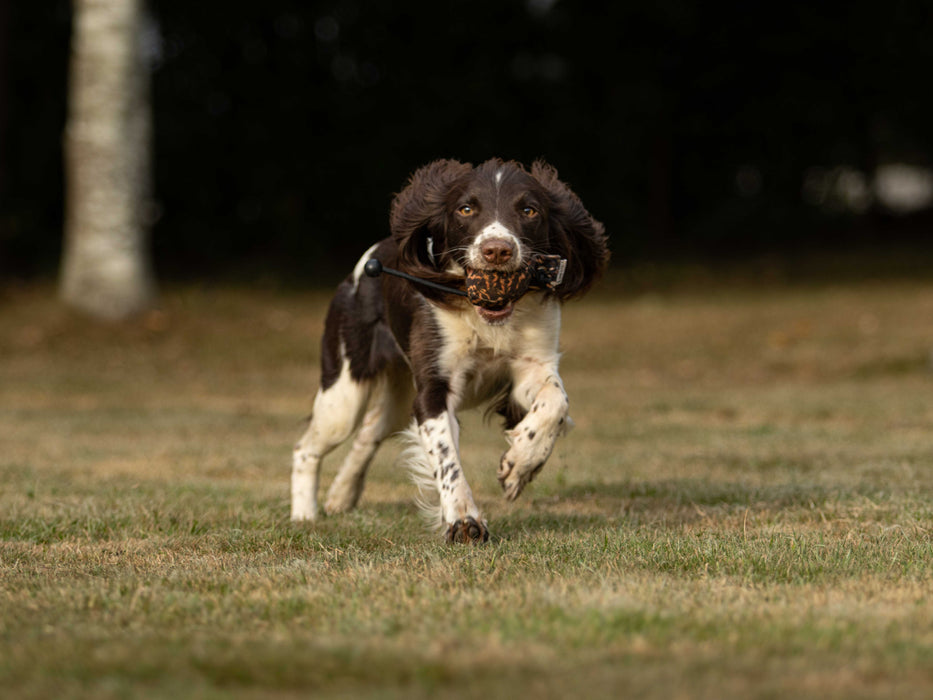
(419, 212)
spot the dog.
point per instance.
(395, 348)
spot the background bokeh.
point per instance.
(693, 130)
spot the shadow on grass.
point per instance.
(701, 492)
(667, 504)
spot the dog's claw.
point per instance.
(505, 468)
(513, 487)
(513, 483)
(467, 531)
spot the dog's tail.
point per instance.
(414, 459)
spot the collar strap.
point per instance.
(548, 270)
(492, 289)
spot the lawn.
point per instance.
(745, 508)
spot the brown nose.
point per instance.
(497, 251)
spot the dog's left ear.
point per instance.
(574, 234)
(417, 218)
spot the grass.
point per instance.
(744, 509)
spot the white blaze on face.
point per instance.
(492, 231)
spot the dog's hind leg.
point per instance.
(338, 411)
(389, 411)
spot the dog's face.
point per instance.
(496, 218)
(453, 217)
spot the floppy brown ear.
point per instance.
(419, 212)
(574, 234)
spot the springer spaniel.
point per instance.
(521, 242)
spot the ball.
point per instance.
(372, 268)
(494, 289)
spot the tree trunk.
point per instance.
(106, 269)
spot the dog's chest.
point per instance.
(483, 356)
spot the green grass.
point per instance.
(745, 509)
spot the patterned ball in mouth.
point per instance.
(494, 291)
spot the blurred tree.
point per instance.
(106, 269)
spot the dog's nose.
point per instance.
(497, 251)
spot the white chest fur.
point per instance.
(478, 356)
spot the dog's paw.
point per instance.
(467, 531)
(529, 448)
(343, 496)
(513, 481)
(304, 515)
(333, 506)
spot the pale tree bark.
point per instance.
(106, 268)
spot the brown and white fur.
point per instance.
(393, 348)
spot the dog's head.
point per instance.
(452, 218)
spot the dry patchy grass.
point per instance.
(743, 509)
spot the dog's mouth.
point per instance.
(493, 293)
(495, 317)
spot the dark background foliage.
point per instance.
(283, 128)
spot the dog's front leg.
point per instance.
(539, 390)
(439, 434)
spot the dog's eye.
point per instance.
(466, 210)
(529, 212)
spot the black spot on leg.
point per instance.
(443, 449)
(531, 434)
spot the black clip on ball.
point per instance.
(374, 268)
